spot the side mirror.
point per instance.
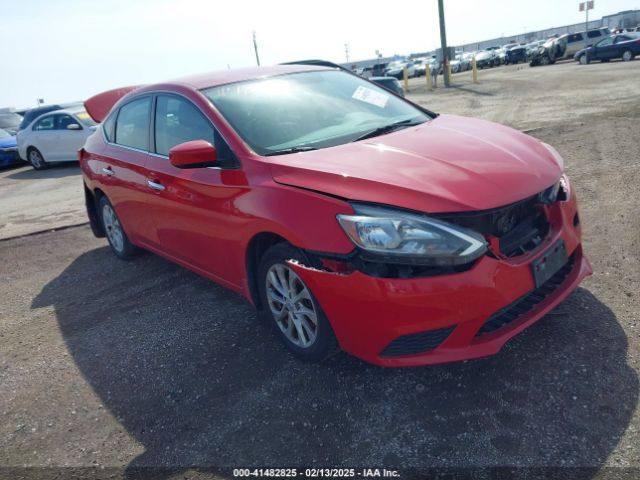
(193, 154)
(74, 126)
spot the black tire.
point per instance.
(36, 159)
(324, 344)
(627, 56)
(119, 242)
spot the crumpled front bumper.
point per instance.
(368, 313)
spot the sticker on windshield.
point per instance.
(365, 94)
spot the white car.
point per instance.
(55, 137)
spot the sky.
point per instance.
(67, 50)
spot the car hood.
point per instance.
(445, 165)
(8, 142)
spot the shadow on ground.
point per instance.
(56, 170)
(193, 375)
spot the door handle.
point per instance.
(155, 185)
(108, 171)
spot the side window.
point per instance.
(63, 121)
(45, 123)
(178, 121)
(622, 38)
(576, 37)
(605, 42)
(108, 127)
(132, 125)
(594, 34)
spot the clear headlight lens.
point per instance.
(399, 237)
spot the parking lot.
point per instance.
(105, 363)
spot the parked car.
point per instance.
(396, 70)
(516, 55)
(625, 46)
(377, 70)
(10, 121)
(421, 65)
(8, 149)
(390, 83)
(55, 137)
(460, 64)
(30, 115)
(485, 59)
(350, 217)
(566, 46)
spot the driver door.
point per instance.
(192, 209)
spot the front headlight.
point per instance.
(398, 237)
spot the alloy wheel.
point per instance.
(291, 305)
(36, 159)
(627, 56)
(112, 228)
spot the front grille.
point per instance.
(519, 227)
(417, 342)
(526, 303)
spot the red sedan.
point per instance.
(352, 218)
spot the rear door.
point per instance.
(122, 172)
(68, 140)
(43, 137)
(192, 209)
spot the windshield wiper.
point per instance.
(286, 151)
(388, 128)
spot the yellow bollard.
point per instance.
(405, 74)
(428, 75)
(474, 70)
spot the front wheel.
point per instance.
(291, 308)
(118, 240)
(627, 56)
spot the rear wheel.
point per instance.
(291, 308)
(36, 159)
(627, 56)
(118, 240)
(584, 60)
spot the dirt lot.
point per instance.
(35, 201)
(131, 364)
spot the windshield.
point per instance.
(308, 110)
(85, 118)
(9, 120)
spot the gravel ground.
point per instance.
(35, 201)
(124, 365)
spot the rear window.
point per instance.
(132, 125)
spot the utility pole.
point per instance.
(346, 51)
(255, 47)
(443, 44)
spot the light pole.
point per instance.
(255, 47)
(443, 44)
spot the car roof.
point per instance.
(222, 77)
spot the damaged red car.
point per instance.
(352, 218)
